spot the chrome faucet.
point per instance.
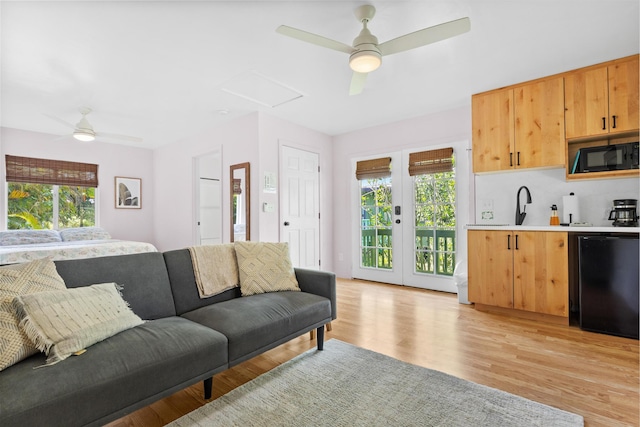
(520, 216)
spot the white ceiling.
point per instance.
(156, 69)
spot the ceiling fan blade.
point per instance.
(314, 39)
(116, 136)
(357, 83)
(425, 36)
(60, 121)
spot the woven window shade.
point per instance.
(54, 172)
(375, 168)
(432, 161)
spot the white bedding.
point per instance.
(72, 250)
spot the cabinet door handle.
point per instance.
(517, 242)
(518, 163)
(509, 242)
(614, 122)
(510, 158)
(604, 123)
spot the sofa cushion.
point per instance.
(124, 372)
(259, 322)
(265, 267)
(15, 280)
(183, 283)
(84, 233)
(61, 323)
(142, 276)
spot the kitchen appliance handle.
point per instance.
(612, 214)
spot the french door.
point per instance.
(404, 227)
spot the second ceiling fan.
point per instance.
(366, 54)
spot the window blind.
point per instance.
(375, 168)
(432, 161)
(54, 172)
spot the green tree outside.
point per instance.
(31, 206)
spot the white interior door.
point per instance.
(208, 200)
(210, 212)
(300, 206)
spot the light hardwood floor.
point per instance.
(590, 374)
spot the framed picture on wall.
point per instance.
(128, 193)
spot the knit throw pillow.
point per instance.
(265, 267)
(15, 280)
(61, 323)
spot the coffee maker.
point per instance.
(624, 213)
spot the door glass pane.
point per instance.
(376, 223)
(435, 223)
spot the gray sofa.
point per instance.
(185, 340)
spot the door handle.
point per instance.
(286, 223)
(397, 221)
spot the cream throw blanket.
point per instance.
(215, 268)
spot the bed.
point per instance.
(18, 246)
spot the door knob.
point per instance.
(286, 223)
(397, 221)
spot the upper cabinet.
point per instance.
(602, 100)
(547, 122)
(493, 137)
(519, 127)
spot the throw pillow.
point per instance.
(61, 323)
(265, 267)
(21, 279)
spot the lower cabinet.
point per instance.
(522, 270)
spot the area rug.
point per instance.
(349, 386)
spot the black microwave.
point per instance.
(607, 158)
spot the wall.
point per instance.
(113, 160)
(174, 176)
(547, 187)
(254, 138)
(274, 134)
(448, 127)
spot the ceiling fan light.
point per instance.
(365, 61)
(84, 135)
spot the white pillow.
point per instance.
(84, 233)
(20, 279)
(60, 323)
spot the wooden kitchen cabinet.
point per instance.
(602, 100)
(522, 270)
(520, 127)
(493, 131)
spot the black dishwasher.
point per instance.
(608, 281)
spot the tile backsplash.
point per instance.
(495, 196)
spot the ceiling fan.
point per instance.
(366, 54)
(83, 130)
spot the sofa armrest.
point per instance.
(321, 283)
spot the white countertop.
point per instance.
(597, 229)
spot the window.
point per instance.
(435, 214)
(54, 194)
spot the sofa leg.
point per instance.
(312, 333)
(208, 385)
(320, 338)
